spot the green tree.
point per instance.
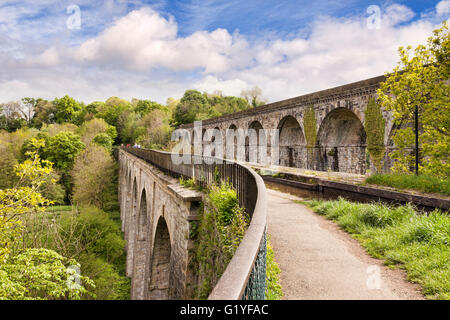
(11, 118)
(145, 106)
(112, 110)
(66, 109)
(155, 130)
(93, 177)
(90, 236)
(7, 164)
(45, 113)
(95, 107)
(41, 274)
(31, 273)
(128, 127)
(93, 127)
(103, 140)
(29, 145)
(63, 148)
(193, 106)
(421, 80)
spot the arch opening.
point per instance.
(255, 143)
(292, 148)
(341, 143)
(143, 216)
(233, 134)
(159, 288)
(131, 228)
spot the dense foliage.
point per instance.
(218, 234)
(28, 272)
(421, 80)
(195, 106)
(63, 150)
(91, 237)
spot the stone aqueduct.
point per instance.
(157, 212)
(155, 221)
(341, 136)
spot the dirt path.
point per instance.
(320, 261)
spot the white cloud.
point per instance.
(232, 87)
(396, 14)
(141, 55)
(443, 8)
(144, 39)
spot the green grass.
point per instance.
(420, 244)
(274, 290)
(421, 183)
(59, 209)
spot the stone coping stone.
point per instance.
(186, 194)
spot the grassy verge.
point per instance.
(274, 290)
(59, 209)
(420, 244)
(420, 183)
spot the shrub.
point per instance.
(221, 228)
(274, 290)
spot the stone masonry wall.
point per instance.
(351, 99)
(156, 226)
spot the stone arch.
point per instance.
(127, 193)
(143, 215)
(341, 143)
(234, 142)
(131, 225)
(254, 147)
(141, 246)
(160, 263)
(213, 139)
(292, 147)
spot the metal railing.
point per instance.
(244, 277)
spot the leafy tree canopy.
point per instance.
(196, 106)
(143, 107)
(421, 79)
(66, 109)
(63, 148)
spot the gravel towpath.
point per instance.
(320, 261)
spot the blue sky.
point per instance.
(158, 49)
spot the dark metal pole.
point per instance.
(416, 116)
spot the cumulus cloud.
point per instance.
(142, 55)
(443, 8)
(144, 39)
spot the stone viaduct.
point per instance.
(158, 217)
(341, 137)
(155, 215)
